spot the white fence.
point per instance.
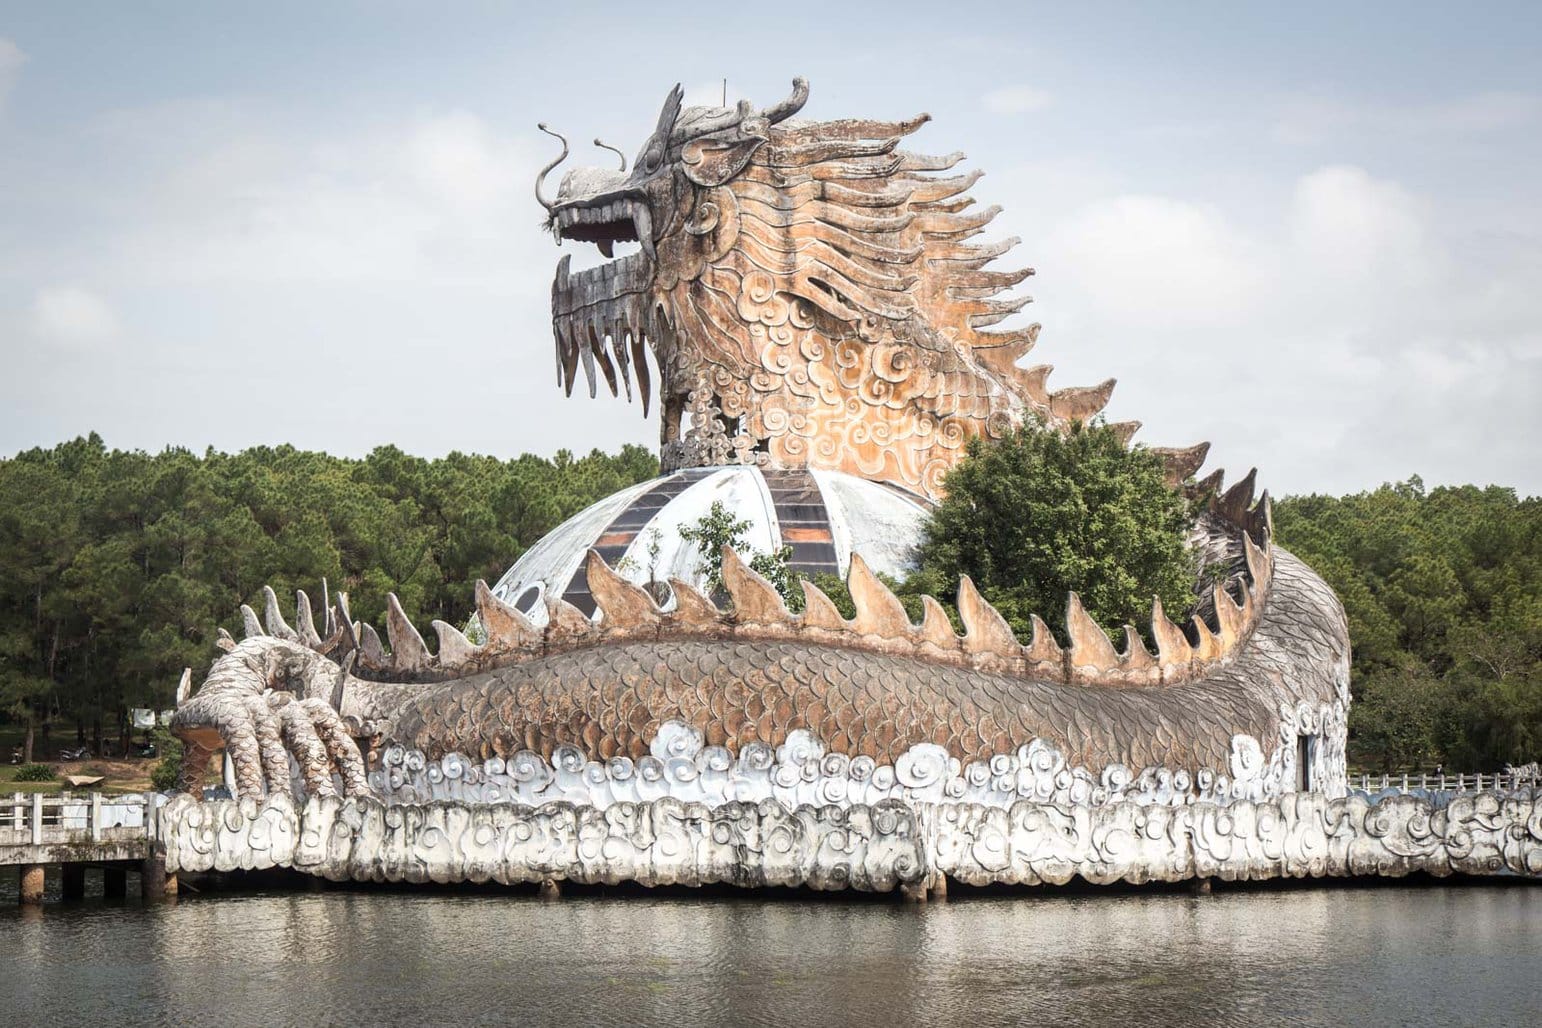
(1443, 783)
(39, 820)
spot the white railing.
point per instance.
(40, 820)
(1444, 783)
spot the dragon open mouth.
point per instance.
(601, 316)
(606, 224)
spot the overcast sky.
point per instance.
(1310, 235)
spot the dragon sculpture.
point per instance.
(809, 296)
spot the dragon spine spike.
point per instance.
(1209, 486)
(622, 603)
(304, 618)
(879, 611)
(565, 622)
(347, 631)
(1173, 647)
(251, 628)
(371, 652)
(408, 651)
(340, 683)
(1258, 564)
(1234, 503)
(224, 641)
(503, 625)
(755, 599)
(691, 607)
(1034, 382)
(455, 650)
(271, 617)
(1261, 518)
(935, 626)
(1229, 618)
(1206, 646)
(185, 685)
(1043, 648)
(1091, 648)
(328, 621)
(819, 611)
(1135, 657)
(985, 630)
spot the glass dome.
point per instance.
(824, 516)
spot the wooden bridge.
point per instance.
(73, 833)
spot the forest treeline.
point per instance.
(118, 567)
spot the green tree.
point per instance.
(719, 528)
(1038, 514)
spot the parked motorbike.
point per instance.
(76, 754)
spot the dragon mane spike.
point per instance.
(455, 650)
(1081, 403)
(879, 611)
(755, 599)
(272, 617)
(1091, 648)
(408, 651)
(1173, 647)
(985, 630)
(185, 685)
(503, 625)
(1181, 463)
(251, 628)
(1124, 431)
(623, 604)
(225, 641)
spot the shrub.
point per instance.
(35, 773)
(164, 775)
(718, 528)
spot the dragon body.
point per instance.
(808, 296)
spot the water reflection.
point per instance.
(1400, 955)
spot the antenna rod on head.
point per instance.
(725, 92)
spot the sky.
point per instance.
(1309, 233)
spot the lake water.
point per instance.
(1389, 955)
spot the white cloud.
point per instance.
(69, 314)
(1341, 344)
(1015, 100)
(11, 60)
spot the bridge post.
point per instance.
(114, 882)
(73, 884)
(154, 882)
(32, 881)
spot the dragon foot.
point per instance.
(261, 728)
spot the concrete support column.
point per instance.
(550, 889)
(939, 889)
(32, 881)
(1200, 887)
(114, 882)
(914, 893)
(154, 882)
(74, 882)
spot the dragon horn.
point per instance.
(790, 106)
(615, 150)
(549, 205)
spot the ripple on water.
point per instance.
(1401, 955)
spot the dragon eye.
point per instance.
(653, 157)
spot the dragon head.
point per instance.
(808, 291)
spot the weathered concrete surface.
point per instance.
(870, 848)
